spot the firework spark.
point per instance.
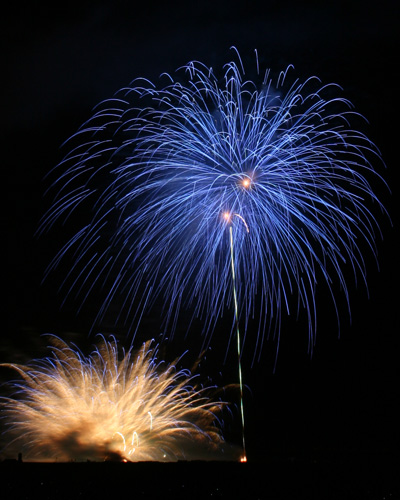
(163, 171)
(110, 406)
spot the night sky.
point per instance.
(59, 61)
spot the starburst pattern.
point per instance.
(110, 405)
(163, 172)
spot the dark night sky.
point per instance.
(60, 61)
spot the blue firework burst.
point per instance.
(162, 172)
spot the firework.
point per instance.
(162, 173)
(110, 405)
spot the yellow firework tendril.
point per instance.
(111, 405)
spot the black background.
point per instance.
(60, 60)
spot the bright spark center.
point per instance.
(227, 216)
